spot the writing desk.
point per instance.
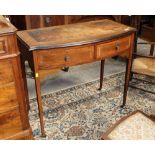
(69, 45)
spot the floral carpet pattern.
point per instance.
(85, 113)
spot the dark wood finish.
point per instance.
(63, 46)
(131, 72)
(152, 49)
(128, 68)
(14, 122)
(141, 88)
(148, 33)
(70, 19)
(19, 21)
(38, 21)
(144, 56)
(101, 74)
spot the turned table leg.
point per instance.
(101, 74)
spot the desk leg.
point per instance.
(127, 78)
(38, 93)
(40, 108)
(101, 74)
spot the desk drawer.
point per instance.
(63, 57)
(113, 48)
(3, 45)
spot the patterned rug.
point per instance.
(83, 112)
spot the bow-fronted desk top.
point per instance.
(73, 34)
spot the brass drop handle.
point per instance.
(67, 58)
(117, 47)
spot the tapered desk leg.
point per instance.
(38, 94)
(127, 78)
(101, 74)
(40, 108)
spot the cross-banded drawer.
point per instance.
(113, 48)
(57, 58)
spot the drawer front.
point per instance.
(113, 48)
(58, 58)
(75, 56)
(10, 124)
(6, 72)
(8, 97)
(3, 45)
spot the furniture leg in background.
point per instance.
(25, 81)
(151, 49)
(101, 73)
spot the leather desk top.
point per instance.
(73, 34)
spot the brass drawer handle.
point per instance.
(117, 47)
(67, 58)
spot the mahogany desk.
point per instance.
(69, 45)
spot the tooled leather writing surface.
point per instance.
(73, 34)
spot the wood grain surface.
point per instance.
(14, 122)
